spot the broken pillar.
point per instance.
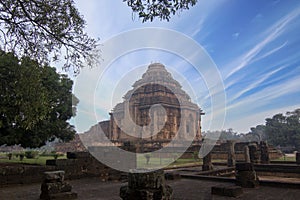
(246, 154)
(264, 153)
(231, 153)
(245, 175)
(253, 152)
(146, 185)
(207, 164)
(298, 158)
(55, 187)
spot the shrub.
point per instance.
(9, 155)
(31, 154)
(21, 157)
(147, 156)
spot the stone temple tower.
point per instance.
(156, 105)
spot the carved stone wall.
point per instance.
(179, 117)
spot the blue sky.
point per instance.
(255, 46)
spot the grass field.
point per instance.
(39, 160)
(141, 161)
(157, 162)
(286, 158)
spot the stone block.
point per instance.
(53, 188)
(233, 191)
(51, 162)
(247, 179)
(230, 191)
(54, 176)
(298, 158)
(172, 176)
(217, 190)
(244, 167)
(79, 154)
(59, 196)
(127, 193)
(150, 180)
(146, 185)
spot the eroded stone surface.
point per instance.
(231, 153)
(207, 164)
(230, 191)
(246, 176)
(146, 186)
(54, 187)
(264, 153)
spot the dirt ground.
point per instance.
(184, 189)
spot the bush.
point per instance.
(31, 154)
(21, 157)
(9, 155)
(147, 156)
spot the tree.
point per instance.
(284, 130)
(50, 30)
(38, 29)
(259, 132)
(224, 135)
(35, 103)
(162, 9)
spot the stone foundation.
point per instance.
(146, 186)
(207, 164)
(54, 187)
(246, 176)
(230, 191)
(298, 158)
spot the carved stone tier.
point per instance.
(176, 116)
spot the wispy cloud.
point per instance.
(256, 83)
(270, 34)
(267, 95)
(243, 124)
(236, 35)
(272, 51)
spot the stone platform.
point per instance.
(188, 189)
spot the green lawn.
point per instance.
(286, 158)
(154, 162)
(157, 162)
(39, 160)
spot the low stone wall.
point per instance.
(223, 155)
(83, 164)
(78, 164)
(287, 171)
(21, 174)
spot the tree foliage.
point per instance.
(259, 132)
(43, 29)
(35, 103)
(224, 135)
(284, 130)
(161, 9)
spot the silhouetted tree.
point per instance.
(161, 9)
(39, 29)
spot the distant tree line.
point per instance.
(280, 130)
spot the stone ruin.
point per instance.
(207, 164)
(264, 153)
(55, 187)
(146, 185)
(245, 175)
(231, 153)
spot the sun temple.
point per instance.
(156, 105)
